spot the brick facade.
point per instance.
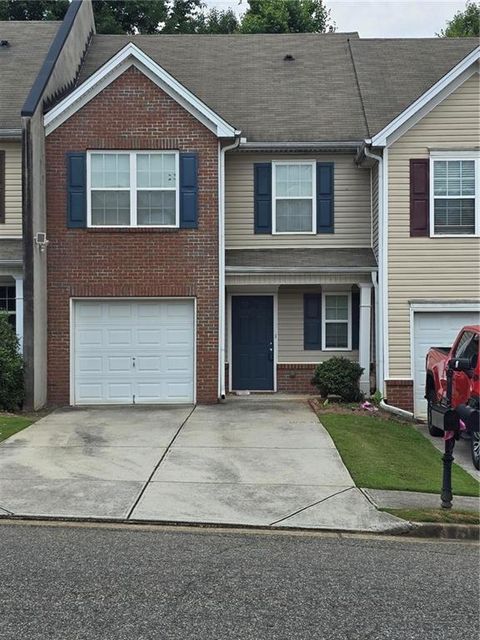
(132, 113)
(399, 393)
(296, 378)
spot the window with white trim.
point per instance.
(455, 196)
(294, 202)
(133, 189)
(337, 321)
(8, 301)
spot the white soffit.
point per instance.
(129, 56)
(427, 101)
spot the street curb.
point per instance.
(445, 531)
(430, 530)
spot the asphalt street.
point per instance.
(140, 583)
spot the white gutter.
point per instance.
(379, 307)
(221, 263)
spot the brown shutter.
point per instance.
(2, 186)
(419, 198)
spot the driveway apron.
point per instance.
(255, 462)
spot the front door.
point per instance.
(252, 343)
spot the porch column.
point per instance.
(19, 309)
(365, 330)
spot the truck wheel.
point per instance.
(475, 447)
(432, 430)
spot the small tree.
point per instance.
(11, 367)
(464, 24)
(339, 377)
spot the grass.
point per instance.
(12, 424)
(386, 454)
(452, 516)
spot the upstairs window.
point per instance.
(455, 196)
(294, 201)
(133, 189)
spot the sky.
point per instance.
(381, 18)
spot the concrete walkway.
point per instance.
(258, 463)
(384, 499)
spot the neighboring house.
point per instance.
(428, 212)
(217, 209)
(23, 46)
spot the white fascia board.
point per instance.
(420, 106)
(120, 62)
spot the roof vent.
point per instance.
(4, 43)
(288, 57)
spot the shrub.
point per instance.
(11, 367)
(340, 377)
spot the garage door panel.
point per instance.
(434, 329)
(141, 351)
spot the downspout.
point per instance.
(379, 351)
(221, 263)
(380, 288)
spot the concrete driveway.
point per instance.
(247, 462)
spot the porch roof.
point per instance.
(299, 260)
(11, 252)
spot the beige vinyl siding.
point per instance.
(374, 179)
(352, 204)
(428, 268)
(12, 227)
(290, 329)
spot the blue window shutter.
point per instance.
(355, 318)
(325, 189)
(312, 321)
(76, 190)
(262, 187)
(188, 191)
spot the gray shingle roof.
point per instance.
(394, 73)
(245, 79)
(301, 258)
(315, 97)
(11, 250)
(20, 63)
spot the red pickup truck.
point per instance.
(452, 388)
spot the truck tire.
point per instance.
(475, 448)
(433, 431)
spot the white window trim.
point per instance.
(325, 321)
(312, 163)
(436, 156)
(133, 190)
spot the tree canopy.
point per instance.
(182, 16)
(464, 23)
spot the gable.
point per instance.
(453, 123)
(132, 56)
(468, 67)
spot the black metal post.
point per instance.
(447, 457)
(447, 474)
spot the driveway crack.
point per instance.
(314, 504)
(162, 458)
(7, 511)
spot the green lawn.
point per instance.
(385, 454)
(11, 424)
(436, 515)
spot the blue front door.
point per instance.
(252, 343)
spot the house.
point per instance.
(23, 46)
(38, 63)
(224, 212)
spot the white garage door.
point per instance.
(434, 329)
(133, 352)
